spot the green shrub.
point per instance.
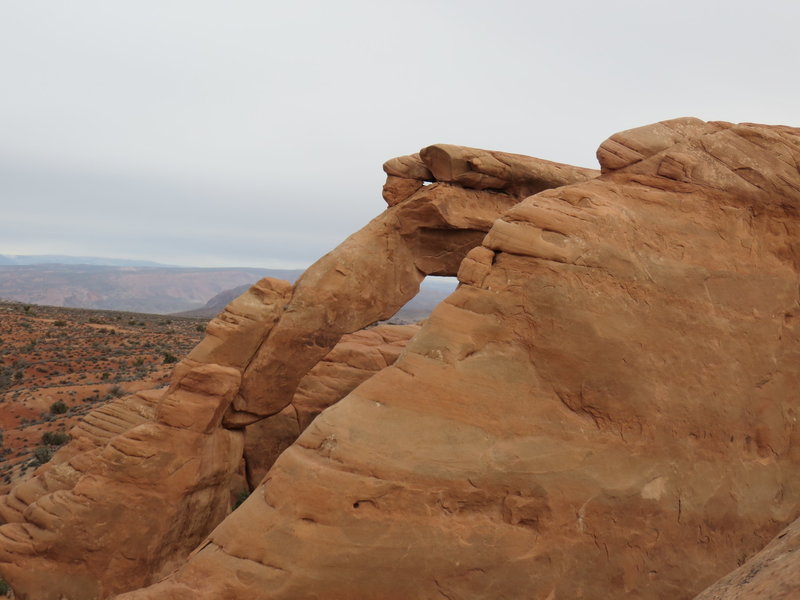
(42, 454)
(58, 407)
(55, 438)
(5, 589)
(169, 358)
(60, 323)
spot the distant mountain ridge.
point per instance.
(214, 306)
(62, 259)
(151, 287)
(147, 289)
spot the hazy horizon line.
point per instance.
(117, 261)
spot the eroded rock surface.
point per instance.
(353, 360)
(144, 478)
(148, 478)
(356, 358)
(605, 408)
(772, 574)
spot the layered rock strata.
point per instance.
(90, 435)
(126, 501)
(353, 360)
(356, 358)
(605, 408)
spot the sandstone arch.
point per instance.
(605, 408)
(146, 479)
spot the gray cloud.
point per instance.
(253, 133)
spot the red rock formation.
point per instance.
(141, 484)
(133, 507)
(122, 514)
(772, 574)
(352, 361)
(606, 407)
(371, 275)
(91, 434)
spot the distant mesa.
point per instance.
(605, 407)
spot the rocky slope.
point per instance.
(584, 415)
(132, 491)
(57, 364)
(604, 408)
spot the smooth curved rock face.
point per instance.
(606, 407)
(772, 574)
(125, 502)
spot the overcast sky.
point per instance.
(243, 133)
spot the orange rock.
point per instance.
(378, 269)
(605, 407)
(233, 336)
(352, 361)
(397, 189)
(408, 167)
(145, 478)
(122, 515)
(772, 574)
(514, 173)
(194, 403)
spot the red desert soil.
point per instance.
(56, 364)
